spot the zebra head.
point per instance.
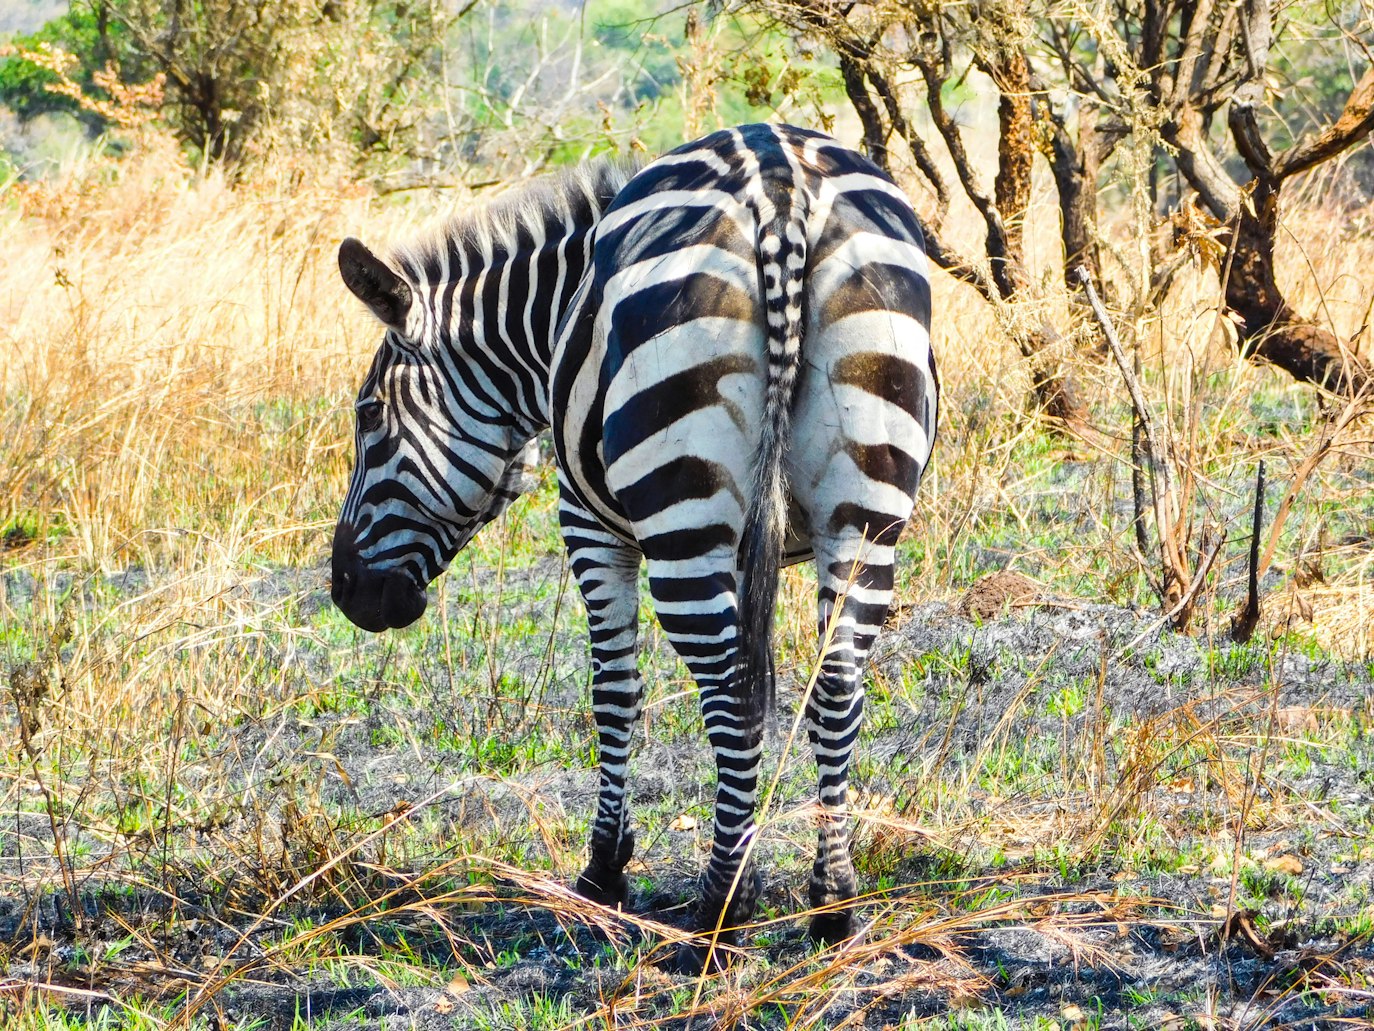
(434, 461)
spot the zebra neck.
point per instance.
(498, 292)
(497, 279)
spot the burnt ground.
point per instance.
(1051, 801)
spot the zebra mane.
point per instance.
(541, 206)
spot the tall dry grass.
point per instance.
(153, 319)
(142, 304)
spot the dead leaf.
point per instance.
(1288, 864)
(1241, 926)
(1294, 719)
(1201, 233)
(36, 947)
(330, 757)
(961, 999)
(685, 822)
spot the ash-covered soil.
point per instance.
(1084, 878)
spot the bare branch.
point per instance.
(998, 246)
(1355, 123)
(1256, 35)
(875, 134)
(1154, 449)
(856, 71)
(924, 161)
(1200, 166)
(1177, 587)
(1197, 18)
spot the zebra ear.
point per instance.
(374, 283)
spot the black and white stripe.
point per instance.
(447, 415)
(742, 378)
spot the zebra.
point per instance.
(731, 347)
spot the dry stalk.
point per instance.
(1243, 626)
(29, 684)
(1253, 772)
(1352, 411)
(1176, 585)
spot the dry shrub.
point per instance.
(1189, 364)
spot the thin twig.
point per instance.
(1174, 575)
(1243, 626)
(1155, 452)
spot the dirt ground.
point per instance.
(1011, 907)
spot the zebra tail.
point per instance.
(782, 261)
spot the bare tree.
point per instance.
(879, 45)
(1182, 66)
(1072, 86)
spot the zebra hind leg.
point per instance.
(700, 618)
(855, 591)
(607, 573)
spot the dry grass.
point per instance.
(174, 438)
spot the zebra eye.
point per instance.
(369, 415)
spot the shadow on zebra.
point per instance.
(731, 347)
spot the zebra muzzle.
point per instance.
(374, 600)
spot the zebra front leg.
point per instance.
(855, 592)
(607, 573)
(698, 614)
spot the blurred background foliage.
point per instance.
(401, 91)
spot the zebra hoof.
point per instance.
(695, 958)
(832, 928)
(608, 889)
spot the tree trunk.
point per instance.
(1075, 179)
(1270, 328)
(1010, 71)
(1053, 384)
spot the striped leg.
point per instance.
(855, 579)
(699, 615)
(607, 573)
